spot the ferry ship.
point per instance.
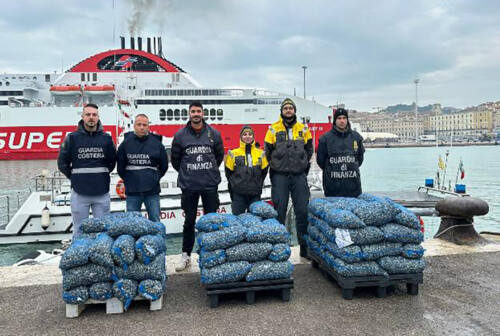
(38, 110)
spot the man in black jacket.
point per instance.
(142, 162)
(340, 154)
(87, 157)
(289, 149)
(197, 152)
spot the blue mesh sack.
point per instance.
(222, 239)
(412, 251)
(250, 252)
(91, 236)
(367, 235)
(376, 251)
(123, 251)
(77, 254)
(138, 271)
(160, 227)
(247, 219)
(151, 289)
(316, 234)
(363, 268)
(209, 259)
(323, 227)
(368, 197)
(211, 222)
(319, 206)
(125, 290)
(228, 272)
(401, 265)
(263, 209)
(93, 225)
(344, 203)
(85, 275)
(101, 291)
(232, 220)
(375, 213)
(280, 252)
(343, 219)
(132, 225)
(77, 295)
(313, 245)
(349, 254)
(270, 231)
(269, 270)
(401, 234)
(148, 247)
(100, 251)
(406, 218)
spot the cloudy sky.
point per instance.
(361, 53)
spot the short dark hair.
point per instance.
(141, 115)
(91, 105)
(196, 103)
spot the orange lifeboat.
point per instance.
(99, 89)
(66, 90)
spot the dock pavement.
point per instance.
(460, 296)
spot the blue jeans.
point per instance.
(151, 202)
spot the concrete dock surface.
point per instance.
(460, 296)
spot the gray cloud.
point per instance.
(363, 53)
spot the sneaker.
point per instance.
(185, 262)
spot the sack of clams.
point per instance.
(250, 247)
(121, 255)
(365, 236)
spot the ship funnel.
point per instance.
(122, 42)
(132, 43)
(149, 45)
(159, 47)
(154, 45)
(139, 43)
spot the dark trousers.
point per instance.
(189, 203)
(240, 203)
(282, 185)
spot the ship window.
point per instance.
(184, 114)
(197, 92)
(220, 114)
(83, 77)
(7, 83)
(170, 114)
(47, 78)
(0, 83)
(163, 114)
(212, 114)
(34, 77)
(204, 92)
(205, 113)
(177, 114)
(94, 77)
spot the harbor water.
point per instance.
(383, 170)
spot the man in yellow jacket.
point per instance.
(289, 149)
(246, 169)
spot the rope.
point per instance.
(451, 227)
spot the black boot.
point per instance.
(303, 252)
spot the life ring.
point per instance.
(120, 189)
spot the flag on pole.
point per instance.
(461, 169)
(441, 164)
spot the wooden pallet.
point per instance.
(283, 286)
(348, 284)
(113, 306)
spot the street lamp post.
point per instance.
(304, 67)
(416, 80)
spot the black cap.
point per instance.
(338, 112)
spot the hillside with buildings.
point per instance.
(474, 122)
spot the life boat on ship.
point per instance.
(65, 90)
(99, 90)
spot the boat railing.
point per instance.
(52, 183)
(7, 208)
(441, 191)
